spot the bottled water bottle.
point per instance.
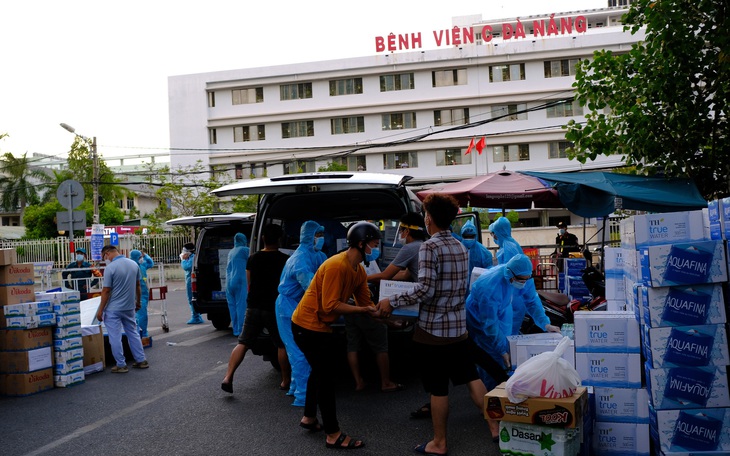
(568, 330)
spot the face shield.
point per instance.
(402, 227)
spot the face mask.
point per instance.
(469, 243)
(373, 255)
(182, 256)
(561, 231)
(318, 243)
(79, 258)
(518, 285)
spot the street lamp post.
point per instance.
(95, 160)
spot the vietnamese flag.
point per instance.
(471, 146)
(481, 145)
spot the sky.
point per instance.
(102, 67)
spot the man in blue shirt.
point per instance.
(120, 298)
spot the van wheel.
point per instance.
(221, 322)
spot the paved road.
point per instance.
(177, 408)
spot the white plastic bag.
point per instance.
(544, 375)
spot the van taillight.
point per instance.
(193, 283)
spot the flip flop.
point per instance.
(351, 445)
(227, 387)
(312, 427)
(422, 450)
(397, 387)
(423, 412)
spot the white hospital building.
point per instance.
(412, 107)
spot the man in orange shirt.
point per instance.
(337, 279)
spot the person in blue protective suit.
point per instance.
(187, 258)
(479, 256)
(78, 274)
(530, 302)
(236, 283)
(145, 262)
(295, 278)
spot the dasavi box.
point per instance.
(622, 370)
(692, 430)
(685, 305)
(669, 228)
(621, 405)
(683, 264)
(693, 346)
(621, 438)
(606, 332)
(529, 439)
(687, 387)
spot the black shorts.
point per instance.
(364, 328)
(440, 364)
(254, 323)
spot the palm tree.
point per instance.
(16, 182)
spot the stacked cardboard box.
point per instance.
(68, 366)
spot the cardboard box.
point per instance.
(17, 274)
(68, 320)
(621, 405)
(93, 342)
(16, 294)
(73, 379)
(621, 370)
(28, 321)
(562, 413)
(26, 384)
(684, 305)
(65, 367)
(8, 256)
(683, 264)
(606, 332)
(687, 387)
(19, 362)
(25, 339)
(692, 430)
(68, 355)
(524, 346)
(667, 228)
(393, 287)
(28, 308)
(528, 440)
(59, 297)
(694, 346)
(621, 438)
(65, 333)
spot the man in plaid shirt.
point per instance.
(441, 341)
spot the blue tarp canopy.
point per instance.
(598, 194)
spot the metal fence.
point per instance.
(163, 248)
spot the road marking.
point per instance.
(205, 338)
(124, 412)
(177, 332)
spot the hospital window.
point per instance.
(249, 133)
(400, 160)
(212, 136)
(509, 112)
(299, 166)
(353, 162)
(558, 68)
(390, 82)
(296, 91)
(245, 96)
(511, 153)
(451, 157)
(443, 78)
(211, 99)
(239, 171)
(348, 86)
(503, 73)
(399, 120)
(558, 149)
(564, 110)
(344, 125)
(297, 129)
(451, 117)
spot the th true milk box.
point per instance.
(68, 355)
(693, 346)
(669, 228)
(58, 297)
(69, 331)
(621, 438)
(28, 308)
(622, 370)
(615, 287)
(64, 367)
(606, 332)
(390, 288)
(524, 346)
(71, 379)
(67, 308)
(621, 405)
(683, 264)
(687, 387)
(692, 430)
(30, 321)
(68, 320)
(68, 343)
(685, 305)
(529, 439)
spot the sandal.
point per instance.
(312, 427)
(351, 445)
(423, 412)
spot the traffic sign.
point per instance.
(70, 194)
(113, 238)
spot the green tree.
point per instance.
(19, 183)
(41, 220)
(663, 105)
(332, 166)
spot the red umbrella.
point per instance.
(500, 190)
